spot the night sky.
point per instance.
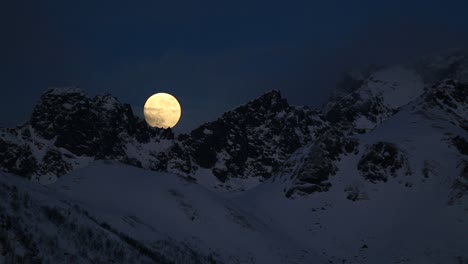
(212, 55)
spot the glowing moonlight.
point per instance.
(162, 110)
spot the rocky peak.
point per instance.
(269, 101)
(252, 140)
(117, 116)
(106, 101)
(56, 108)
(66, 124)
(450, 97)
(374, 99)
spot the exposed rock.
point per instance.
(382, 160)
(68, 122)
(460, 144)
(252, 140)
(451, 97)
(318, 164)
(356, 193)
(17, 159)
(53, 163)
(459, 187)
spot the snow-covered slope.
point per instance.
(38, 225)
(111, 212)
(154, 207)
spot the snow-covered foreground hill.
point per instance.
(111, 212)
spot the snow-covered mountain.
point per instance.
(376, 99)
(380, 175)
(373, 97)
(68, 130)
(397, 147)
(397, 194)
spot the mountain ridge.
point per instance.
(242, 148)
(385, 181)
(69, 129)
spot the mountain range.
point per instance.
(378, 175)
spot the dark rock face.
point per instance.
(459, 186)
(253, 139)
(90, 127)
(460, 144)
(347, 110)
(349, 102)
(447, 94)
(17, 159)
(75, 125)
(382, 160)
(450, 96)
(53, 163)
(54, 114)
(175, 160)
(320, 163)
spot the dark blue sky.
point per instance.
(212, 55)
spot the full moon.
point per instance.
(162, 110)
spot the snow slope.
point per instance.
(152, 207)
(38, 225)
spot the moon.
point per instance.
(162, 110)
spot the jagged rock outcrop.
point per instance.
(98, 126)
(17, 159)
(381, 161)
(250, 141)
(363, 103)
(310, 171)
(373, 99)
(68, 128)
(449, 97)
